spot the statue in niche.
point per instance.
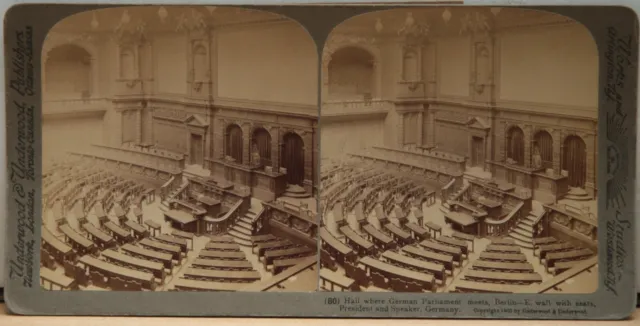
(255, 155)
(537, 158)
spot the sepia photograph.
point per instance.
(458, 152)
(179, 151)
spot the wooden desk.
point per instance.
(337, 280)
(360, 244)
(280, 265)
(111, 270)
(336, 248)
(135, 263)
(511, 249)
(153, 227)
(256, 239)
(65, 283)
(503, 241)
(577, 254)
(81, 244)
(222, 255)
(502, 266)
(543, 250)
(98, 236)
(495, 256)
(417, 232)
(135, 251)
(139, 231)
(225, 265)
(455, 252)
(230, 276)
(222, 246)
(175, 251)
(276, 245)
(543, 241)
(379, 239)
(435, 269)
(503, 278)
(465, 237)
(438, 258)
(389, 271)
(122, 236)
(296, 252)
(221, 239)
(435, 228)
(465, 286)
(208, 286)
(56, 247)
(452, 242)
(184, 235)
(401, 236)
(171, 240)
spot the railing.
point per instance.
(168, 187)
(504, 225)
(257, 221)
(217, 225)
(580, 227)
(337, 107)
(541, 219)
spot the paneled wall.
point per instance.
(267, 62)
(170, 135)
(341, 137)
(453, 55)
(73, 134)
(555, 65)
(170, 53)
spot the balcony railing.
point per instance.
(349, 107)
(74, 105)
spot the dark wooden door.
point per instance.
(477, 151)
(575, 161)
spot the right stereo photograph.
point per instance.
(458, 152)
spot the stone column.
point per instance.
(246, 145)
(557, 151)
(420, 128)
(527, 145)
(591, 148)
(501, 138)
(138, 126)
(275, 148)
(219, 134)
(307, 138)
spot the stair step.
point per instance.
(526, 227)
(251, 213)
(526, 222)
(525, 233)
(243, 242)
(523, 244)
(522, 238)
(244, 225)
(239, 235)
(246, 219)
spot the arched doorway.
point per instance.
(515, 145)
(261, 145)
(293, 158)
(575, 161)
(351, 74)
(68, 72)
(544, 147)
(233, 141)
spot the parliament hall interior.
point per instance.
(458, 152)
(179, 151)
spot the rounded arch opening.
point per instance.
(293, 158)
(68, 72)
(261, 147)
(234, 140)
(515, 145)
(351, 74)
(575, 161)
(543, 150)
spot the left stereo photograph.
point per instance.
(169, 133)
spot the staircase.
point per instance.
(242, 230)
(523, 232)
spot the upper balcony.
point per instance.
(74, 106)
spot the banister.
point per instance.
(233, 211)
(507, 218)
(540, 216)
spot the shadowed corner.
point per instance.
(451, 159)
(178, 151)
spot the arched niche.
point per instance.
(127, 63)
(351, 74)
(68, 72)
(515, 145)
(410, 66)
(574, 160)
(234, 143)
(200, 65)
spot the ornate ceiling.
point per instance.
(160, 18)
